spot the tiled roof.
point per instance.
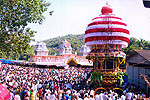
(144, 53)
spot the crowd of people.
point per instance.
(27, 83)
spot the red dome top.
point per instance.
(106, 9)
(107, 29)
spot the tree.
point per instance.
(76, 42)
(136, 44)
(143, 44)
(15, 15)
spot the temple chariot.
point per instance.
(106, 35)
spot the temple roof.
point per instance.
(65, 44)
(40, 46)
(143, 53)
(84, 49)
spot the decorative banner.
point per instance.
(107, 22)
(117, 42)
(108, 53)
(92, 54)
(101, 54)
(106, 17)
(106, 38)
(4, 93)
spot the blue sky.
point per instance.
(73, 16)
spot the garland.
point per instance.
(92, 59)
(123, 60)
(105, 66)
(113, 64)
(111, 57)
(101, 60)
(101, 50)
(101, 67)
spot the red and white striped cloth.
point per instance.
(107, 29)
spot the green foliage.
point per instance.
(76, 42)
(15, 15)
(120, 77)
(136, 44)
(96, 76)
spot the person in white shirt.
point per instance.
(96, 97)
(123, 97)
(101, 96)
(52, 96)
(60, 96)
(92, 92)
(46, 97)
(105, 97)
(91, 97)
(79, 98)
(17, 97)
(86, 97)
(129, 96)
(109, 97)
(11, 95)
(68, 91)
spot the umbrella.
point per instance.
(4, 93)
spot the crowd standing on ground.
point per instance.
(26, 83)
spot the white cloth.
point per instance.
(91, 99)
(17, 97)
(86, 98)
(52, 97)
(105, 97)
(39, 86)
(11, 96)
(68, 92)
(79, 98)
(92, 92)
(60, 96)
(96, 97)
(123, 97)
(101, 96)
(129, 95)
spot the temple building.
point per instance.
(65, 48)
(84, 51)
(64, 58)
(41, 49)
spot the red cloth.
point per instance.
(40, 92)
(4, 93)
